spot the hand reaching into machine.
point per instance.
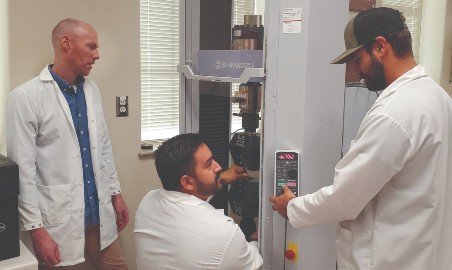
(254, 237)
(233, 174)
(280, 202)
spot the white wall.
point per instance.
(4, 74)
(446, 75)
(116, 73)
(432, 37)
(436, 41)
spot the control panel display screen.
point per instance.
(287, 156)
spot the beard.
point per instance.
(210, 188)
(375, 80)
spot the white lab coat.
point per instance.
(175, 231)
(393, 189)
(41, 138)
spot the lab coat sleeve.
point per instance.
(240, 254)
(22, 124)
(107, 156)
(380, 151)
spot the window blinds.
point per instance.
(241, 8)
(412, 10)
(159, 45)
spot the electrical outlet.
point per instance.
(122, 106)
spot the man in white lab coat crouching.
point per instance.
(176, 228)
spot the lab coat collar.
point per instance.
(45, 74)
(411, 75)
(183, 198)
(62, 83)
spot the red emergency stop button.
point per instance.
(290, 254)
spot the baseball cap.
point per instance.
(366, 26)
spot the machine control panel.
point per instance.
(287, 171)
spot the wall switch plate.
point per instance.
(122, 106)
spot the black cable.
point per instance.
(236, 131)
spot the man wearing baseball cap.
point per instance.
(392, 192)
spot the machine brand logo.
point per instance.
(232, 65)
(2, 227)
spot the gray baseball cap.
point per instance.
(366, 26)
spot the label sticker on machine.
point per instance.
(287, 171)
(291, 20)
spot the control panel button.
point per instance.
(290, 254)
(292, 174)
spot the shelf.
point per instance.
(256, 73)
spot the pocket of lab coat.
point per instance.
(343, 246)
(54, 203)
